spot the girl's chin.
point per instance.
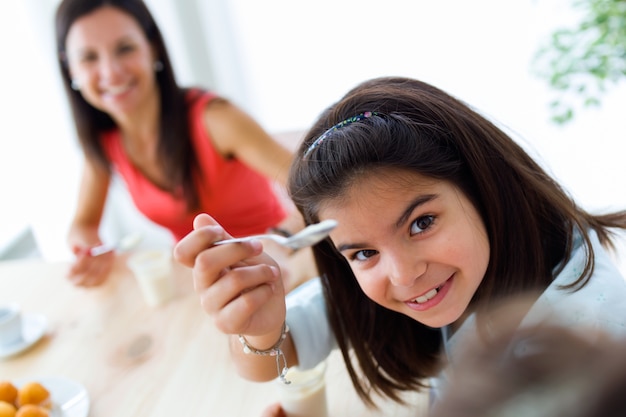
(436, 324)
(453, 319)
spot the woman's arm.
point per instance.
(92, 195)
(236, 134)
(83, 233)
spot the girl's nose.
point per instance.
(405, 269)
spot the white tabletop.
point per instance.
(135, 360)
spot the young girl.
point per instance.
(440, 215)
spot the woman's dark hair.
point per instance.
(530, 219)
(174, 149)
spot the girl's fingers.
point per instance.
(239, 314)
(274, 410)
(210, 265)
(202, 220)
(246, 300)
(235, 283)
(238, 285)
(205, 231)
(189, 247)
(257, 312)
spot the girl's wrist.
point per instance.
(263, 342)
(274, 351)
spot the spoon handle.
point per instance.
(101, 249)
(276, 238)
(126, 243)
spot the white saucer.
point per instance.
(33, 328)
(69, 398)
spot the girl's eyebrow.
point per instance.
(420, 200)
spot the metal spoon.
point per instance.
(308, 236)
(126, 243)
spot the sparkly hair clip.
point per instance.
(341, 124)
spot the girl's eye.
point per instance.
(421, 224)
(363, 255)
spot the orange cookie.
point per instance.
(33, 393)
(7, 409)
(31, 410)
(8, 392)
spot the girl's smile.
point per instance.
(431, 298)
(416, 245)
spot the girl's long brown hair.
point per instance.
(530, 219)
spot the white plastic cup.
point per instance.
(153, 270)
(10, 324)
(305, 396)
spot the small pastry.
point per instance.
(31, 410)
(7, 409)
(33, 393)
(8, 392)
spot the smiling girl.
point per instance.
(440, 215)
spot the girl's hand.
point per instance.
(274, 410)
(87, 270)
(238, 284)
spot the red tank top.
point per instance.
(240, 199)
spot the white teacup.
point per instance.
(10, 324)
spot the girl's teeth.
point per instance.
(430, 294)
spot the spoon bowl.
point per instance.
(308, 236)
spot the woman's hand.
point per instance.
(87, 270)
(238, 285)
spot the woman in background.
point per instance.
(180, 151)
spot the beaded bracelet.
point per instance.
(273, 351)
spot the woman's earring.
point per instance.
(157, 66)
(75, 86)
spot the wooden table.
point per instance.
(136, 360)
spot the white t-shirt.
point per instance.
(308, 323)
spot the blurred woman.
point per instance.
(180, 151)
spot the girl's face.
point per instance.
(416, 245)
(112, 61)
